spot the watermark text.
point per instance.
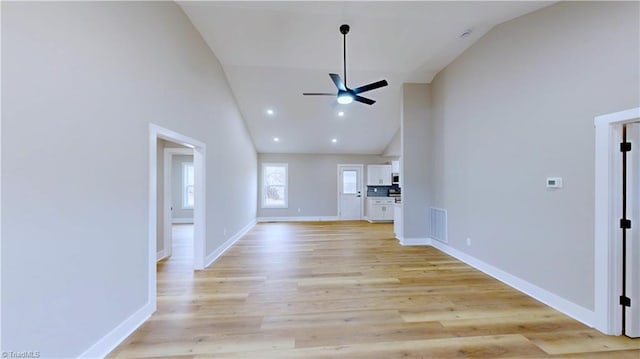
(22, 354)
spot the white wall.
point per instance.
(416, 117)
(394, 148)
(81, 82)
(516, 107)
(313, 182)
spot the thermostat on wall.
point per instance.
(554, 182)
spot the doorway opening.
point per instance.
(160, 226)
(177, 198)
(350, 200)
(617, 201)
(181, 259)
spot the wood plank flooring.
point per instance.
(349, 290)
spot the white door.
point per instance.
(350, 192)
(631, 241)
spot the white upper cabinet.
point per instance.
(379, 175)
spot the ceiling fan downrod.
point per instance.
(344, 30)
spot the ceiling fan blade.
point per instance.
(318, 94)
(371, 86)
(338, 81)
(364, 100)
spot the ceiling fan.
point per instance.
(346, 95)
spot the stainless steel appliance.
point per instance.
(395, 178)
(395, 193)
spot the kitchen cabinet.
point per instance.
(379, 175)
(397, 221)
(380, 209)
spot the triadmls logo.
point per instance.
(22, 354)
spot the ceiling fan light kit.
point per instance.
(345, 98)
(346, 95)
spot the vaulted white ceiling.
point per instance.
(272, 52)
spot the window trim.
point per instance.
(185, 205)
(263, 195)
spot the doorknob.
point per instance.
(358, 196)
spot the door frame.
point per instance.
(199, 209)
(608, 204)
(631, 249)
(362, 197)
(169, 152)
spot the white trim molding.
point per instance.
(199, 152)
(414, 241)
(230, 242)
(607, 247)
(573, 310)
(299, 219)
(116, 336)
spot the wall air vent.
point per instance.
(438, 224)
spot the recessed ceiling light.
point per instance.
(276, 139)
(334, 140)
(270, 112)
(341, 113)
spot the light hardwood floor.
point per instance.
(349, 290)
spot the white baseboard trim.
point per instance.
(414, 241)
(110, 341)
(226, 245)
(182, 220)
(299, 219)
(571, 309)
(160, 255)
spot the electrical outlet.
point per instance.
(468, 242)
